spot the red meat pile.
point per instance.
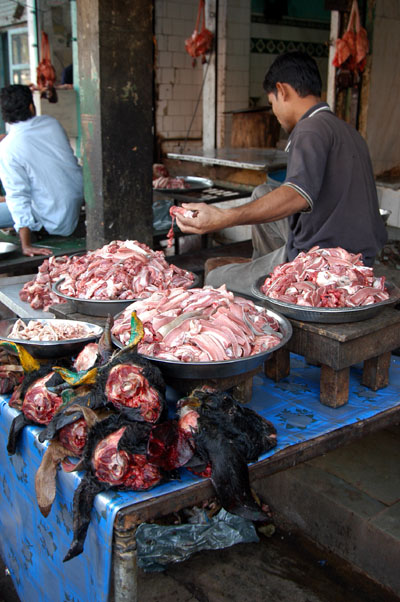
(200, 324)
(120, 270)
(325, 278)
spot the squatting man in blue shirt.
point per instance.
(39, 172)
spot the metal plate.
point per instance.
(326, 315)
(193, 183)
(223, 369)
(99, 307)
(51, 349)
(8, 247)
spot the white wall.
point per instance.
(383, 114)
(233, 64)
(178, 83)
(240, 67)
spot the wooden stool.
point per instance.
(336, 347)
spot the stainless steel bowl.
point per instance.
(7, 247)
(93, 307)
(51, 349)
(98, 307)
(192, 182)
(326, 315)
(223, 369)
(385, 214)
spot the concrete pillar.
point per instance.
(115, 46)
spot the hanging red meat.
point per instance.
(200, 42)
(352, 48)
(46, 74)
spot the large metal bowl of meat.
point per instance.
(101, 307)
(79, 334)
(326, 315)
(177, 369)
(93, 307)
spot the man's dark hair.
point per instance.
(15, 101)
(298, 70)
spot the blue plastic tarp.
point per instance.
(33, 547)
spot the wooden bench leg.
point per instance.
(243, 391)
(334, 386)
(376, 371)
(277, 365)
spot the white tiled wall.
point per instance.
(239, 73)
(178, 84)
(233, 64)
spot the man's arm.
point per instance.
(27, 249)
(275, 205)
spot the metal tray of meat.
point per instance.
(99, 307)
(191, 183)
(327, 315)
(51, 349)
(227, 368)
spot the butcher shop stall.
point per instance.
(142, 412)
(124, 383)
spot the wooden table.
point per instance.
(336, 347)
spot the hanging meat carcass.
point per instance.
(351, 49)
(200, 42)
(46, 74)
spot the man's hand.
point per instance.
(27, 248)
(31, 251)
(207, 218)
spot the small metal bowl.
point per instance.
(227, 368)
(326, 315)
(99, 307)
(7, 247)
(385, 214)
(50, 349)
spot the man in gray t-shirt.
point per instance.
(329, 195)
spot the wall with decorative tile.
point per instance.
(268, 40)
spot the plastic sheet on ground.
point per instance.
(160, 545)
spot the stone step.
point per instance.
(347, 501)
